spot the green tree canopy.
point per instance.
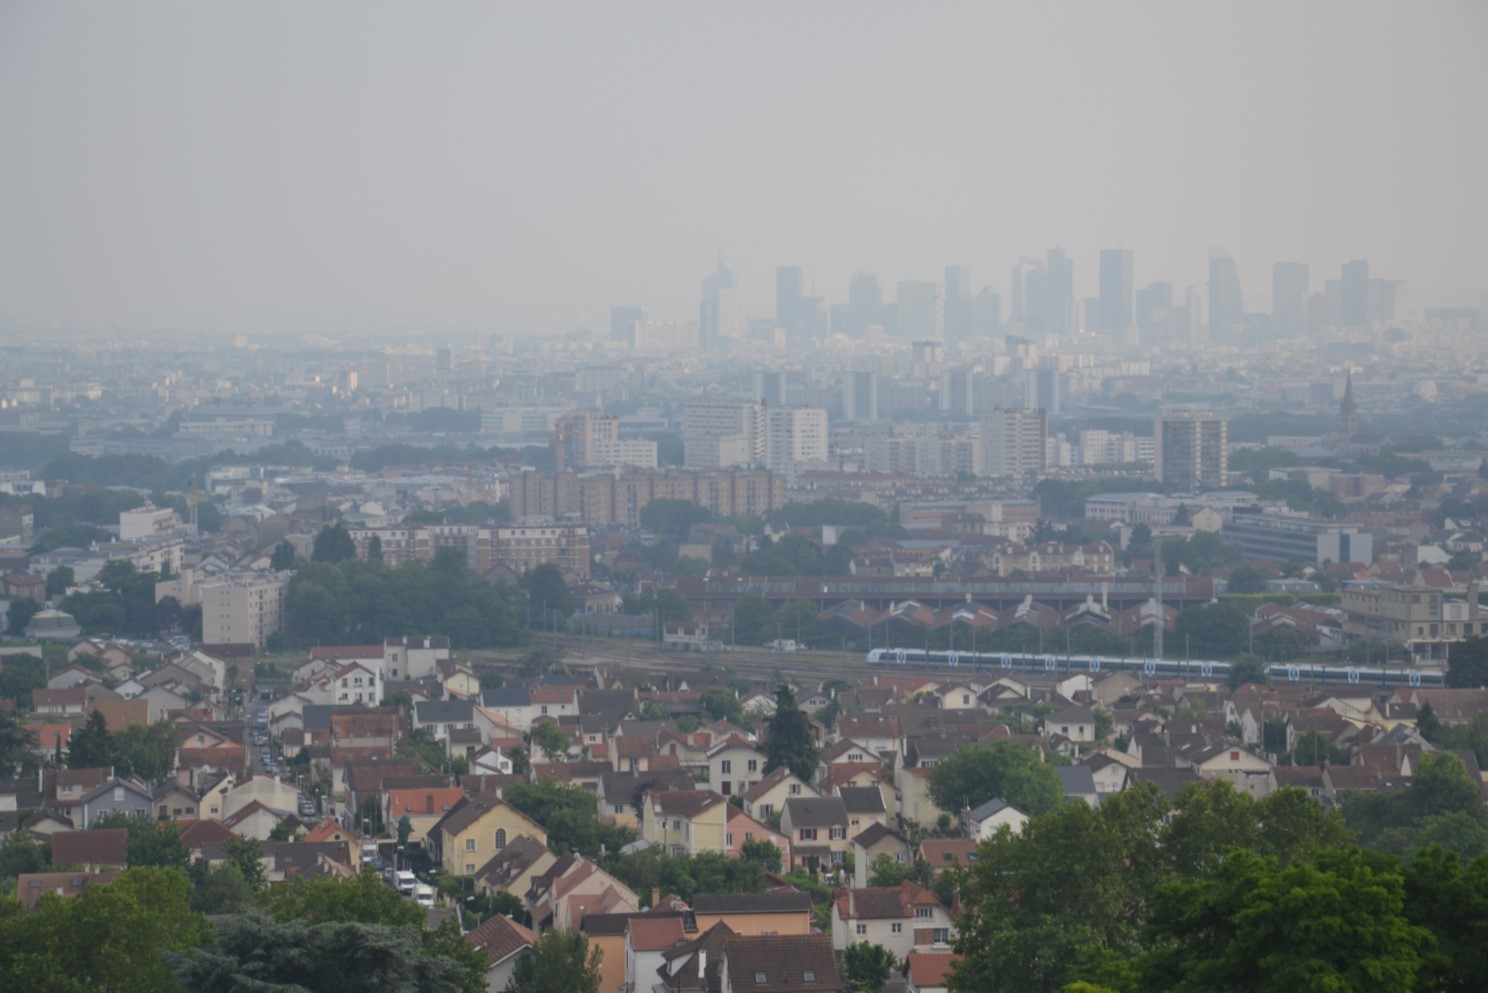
(788, 742)
(91, 746)
(1004, 770)
(867, 966)
(561, 960)
(333, 544)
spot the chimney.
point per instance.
(655, 897)
(702, 962)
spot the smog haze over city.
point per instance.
(347, 166)
(602, 497)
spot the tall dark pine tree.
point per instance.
(284, 557)
(91, 746)
(333, 544)
(788, 742)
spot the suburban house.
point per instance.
(865, 806)
(503, 941)
(797, 963)
(475, 829)
(742, 828)
(768, 796)
(873, 841)
(95, 850)
(990, 817)
(423, 807)
(903, 918)
(116, 796)
(782, 911)
(928, 972)
(734, 765)
(817, 828)
(685, 821)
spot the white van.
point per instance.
(405, 882)
(423, 895)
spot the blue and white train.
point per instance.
(1280, 672)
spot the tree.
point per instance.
(220, 889)
(1249, 579)
(1451, 901)
(673, 606)
(22, 674)
(258, 952)
(1216, 630)
(247, 855)
(552, 739)
(866, 966)
(1466, 668)
(752, 620)
(885, 870)
(284, 557)
(91, 746)
(1248, 669)
(405, 830)
(548, 595)
(673, 518)
(374, 549)
(59, 581)
(151, 844)
(146, 752)
(561, 960)
(109, 937)
(333, 544)
(365, 899)
(1312, 748)
(1004, 770)
(788, 741)
(22, 609)
(722, 705)
(766, 853)
(17, 744)
(1331, 923)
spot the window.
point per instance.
(754, 765)
(500, 838)
(766, 809)
(942, 936)
(470, 844)
(838, 832)
(545, 708)
(808, 834)
(924, 913)
(759, 979)
(118, 794)
(899, 857)
(862, 929)
(469, 868)
(676, 825)
(896, 928)
(965, 699)
(795, 788)
(728, 839)
(726, 767)
(808, 976)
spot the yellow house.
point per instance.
(475, 830)
(778, 912)
(685, 821)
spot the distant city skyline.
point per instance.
(338, 167)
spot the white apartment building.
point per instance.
(243, 610)
(146, 522)
(1015, 441)
(717, 434)
(796, 435)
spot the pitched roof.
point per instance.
(862, 799)
(100, 846)
(683, 803)
(883, 902)
(786, 963)
(500, 938)
(654, 934)
(930, 968)
(993, 806)
(770, 902)
(816, 811)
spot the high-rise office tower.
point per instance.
(769, 388)
(1115, 290)
(719, 314)
(623, 321)
(1154, 303)
(1042, 389)
(921, 317)
(1355, 290)
(1382, 294)
(1028, 293)
(1226, 303)
(1289, 299)
(1192, 448)
(957, 303)
(1015, 442)
(860, 396)
(790, 288)
(986, 314)
(1059, 293)
(864, 303)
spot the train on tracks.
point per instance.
(1280, 672)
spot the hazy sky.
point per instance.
(338, 166)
